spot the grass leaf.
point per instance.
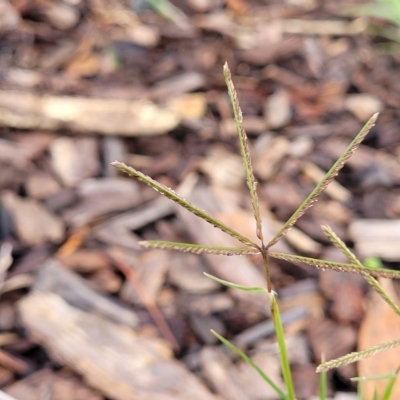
(280, 336)
(326, 180)
(182, 202)
(235, 286)
(250, 362)
(244, 150)
(198, 248)
(357, 356)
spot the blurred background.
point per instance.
(85, 312)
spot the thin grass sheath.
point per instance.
(169, 193)
(198, 248)
(357, 356)
(326, 180)
(244, 150)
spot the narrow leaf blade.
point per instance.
(250, 362)
(244, 150)
(235, 286)
(181, 201)
(330, 175)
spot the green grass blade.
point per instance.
(198, 248)
(167, 192)
(387, 394)
(337, 266)
(250, 362)
(322, 386)
(357, 356)
(244, 150)
(326, 180)
(235, 286)
(280, 336)
(389, 375)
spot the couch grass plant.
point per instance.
(264, 250)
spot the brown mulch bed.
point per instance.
(85, 312)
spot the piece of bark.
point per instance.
(381, 325)
(376, 238)
(187, 273)
(56, 385)
(110, 357)
(206, 304)
(101, 197)
(34, 224)
(268, 154)
(118, 230)
(85, 260)
(5, 396)
(55, 278)
(222, 374)
(277, 109)
(6, 377)
(151, 268)
(305, 381)
(330, 339)
(75, 159)
(256, 388)
(78, 114)
(41, 185)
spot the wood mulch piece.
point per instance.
(85, 311)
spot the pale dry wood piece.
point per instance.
(26, 148)
(283, 76)
(118, 230)
(380, 325)
(9, 17)
(75, 159)
(267, 154)
(222, 374)
(376, 238)
(82, 115)
(223, 167)
(206, 304)
(34, 224)
(363, 105)
(151, 269)
(100, 197)
(178, 85)
(5, 396)
(186, 273)
(41, 185)
(252, 382)
(277, 109)
(45, 383)
(334, 190)
(85, 260)
(55, 278)
(110, 357)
